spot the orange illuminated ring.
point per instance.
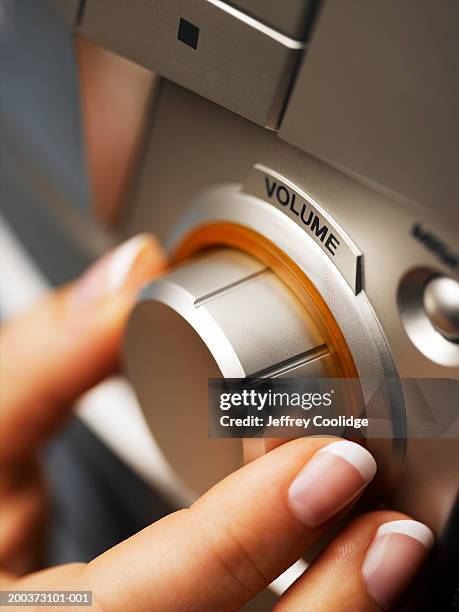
(244, 239)
(239, 237)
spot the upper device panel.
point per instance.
(290, 17)
(378, 96)
(207, 46)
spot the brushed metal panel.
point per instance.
(290, 17)
(233, 60)
(378, 96)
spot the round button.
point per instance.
(441, 304)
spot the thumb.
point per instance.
(68, 343)
(236, 539)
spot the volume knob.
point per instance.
(220, 314)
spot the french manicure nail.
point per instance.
(330, 480)
(112, 273)
(397, 551)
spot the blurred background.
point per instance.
(70, 125)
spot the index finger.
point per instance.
(238, 537)
(65, 345)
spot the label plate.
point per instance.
(267, 184)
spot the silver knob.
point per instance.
(441, 304)
(221, 313)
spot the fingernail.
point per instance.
(330, 480)
(396, 553)
(119, 270)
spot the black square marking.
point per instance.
(188, 33)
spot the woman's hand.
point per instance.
(233, 541)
